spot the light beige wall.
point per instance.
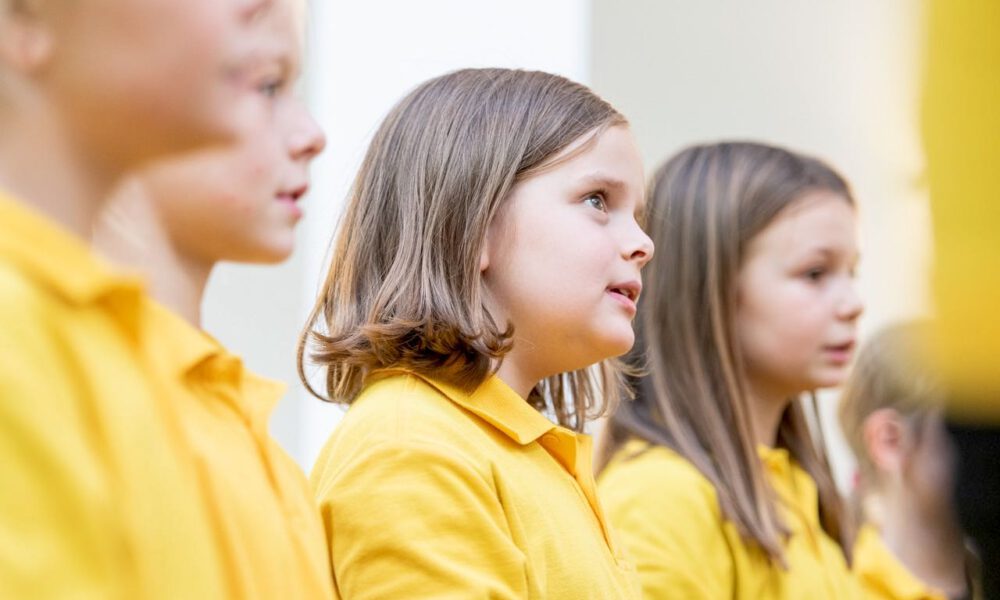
(835, 79)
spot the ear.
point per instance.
(484, 255)
(26, 41)
(885, 436)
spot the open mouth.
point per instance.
(628, 293)
(293, 195)
(845, 347)
(840, 353)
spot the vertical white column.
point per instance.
(363, 57)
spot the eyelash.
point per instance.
(270, 88)
(600, 196)
(815, 274)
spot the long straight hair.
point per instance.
(404, 286)
(706, 204)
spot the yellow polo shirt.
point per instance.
(429, 492)
(98, 494)
(962, 143)
(881, 574)
(669, 519)
(263, 510)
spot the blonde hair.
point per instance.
(706, 204)
(404, 286)
(890, 372)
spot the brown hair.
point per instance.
(891, 372)
(404, 286)
(706, 204)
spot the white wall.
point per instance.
(364, 56)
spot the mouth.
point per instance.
(293, 195)
(626, 293)
(840, 352)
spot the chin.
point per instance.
(267, 254)
(617, 345)
(823, 383)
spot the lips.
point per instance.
(626, 294)
(294, 194)
(840, 353)
(628, 289)
(844, 347)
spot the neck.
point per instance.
(766, 407)
(43, 169)
(130, 233)
(519, 368)
(513, 373)
(931, 547)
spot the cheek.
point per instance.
(234, 204)
(258, 164)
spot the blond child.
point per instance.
(909, 544)
(100, 499)
(174, 221)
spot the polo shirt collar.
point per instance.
(493, 401)
(62, 262)
(195, 356)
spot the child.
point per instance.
(714, 481)
(174, 222)
(890, 413)
(489, 257)
(99, 498)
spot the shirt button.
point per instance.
(550, 439)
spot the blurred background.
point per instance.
(837, 80)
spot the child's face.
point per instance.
(563, 258)
(240, 203)
(797, 306)
(142, 78)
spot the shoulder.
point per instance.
(879, 573)
(667, 514)
(34, 325)
(657, 477)
(401, 425)
(21, 298)
(404, 408)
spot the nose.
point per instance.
(639, 247)
(308, 141)
(851, 306)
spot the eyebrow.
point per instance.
(255, 9)
(828, 252)
(603, 180)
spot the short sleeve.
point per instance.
(668, 520)
(414, 520)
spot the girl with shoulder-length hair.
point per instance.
(483, 279)
(712, 473)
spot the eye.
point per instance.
(815, 274)
(597, 201)
(271, 87)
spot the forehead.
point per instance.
(820, 221)
(604, 159)
(283, 38)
